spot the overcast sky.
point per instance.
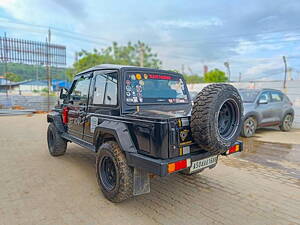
(251, 35)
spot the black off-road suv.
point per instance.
(141, 121)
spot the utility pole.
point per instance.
(76, 56)
(240, 76)
(285, 71)
(5, 63)
(48, 63)
(289, 74)
(191, 71)
(142, 54)
(182, 68)
(37, 72)
(226, 64)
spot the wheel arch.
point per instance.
(252, 114)
(288, 111)
(56, 119)
(117, 131)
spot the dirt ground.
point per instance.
(258, 186)
(273, 134)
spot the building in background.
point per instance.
(3, 80)
(24, 87)
(58, 84)
(205, 69)
(32, 87)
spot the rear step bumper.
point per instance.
(160, 166)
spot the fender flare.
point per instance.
(119, 131)
(55, 118)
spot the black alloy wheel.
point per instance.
(108, 173)
(228, 119)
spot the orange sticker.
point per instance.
(138, 76)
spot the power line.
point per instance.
(55, 29)
(231, 36)
(101, 41)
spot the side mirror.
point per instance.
(262, 101)
(63, 93)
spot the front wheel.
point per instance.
(287, 123)
(114, 176)
(249, 127)
(56, 144)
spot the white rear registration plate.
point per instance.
(203, 163)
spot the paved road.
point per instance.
(36, 188)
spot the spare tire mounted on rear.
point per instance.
(217, 117)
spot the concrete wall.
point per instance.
(292, 90)
(28, 102)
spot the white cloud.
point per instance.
(211, 22)
(46, 13)
(261, 68)
(246, 47)
(291, 37)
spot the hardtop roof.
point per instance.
(258, 89)
(119, 67)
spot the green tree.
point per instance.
(193, 79)
(138, 54)
(215, 76)
(12, 77)
(30, 72)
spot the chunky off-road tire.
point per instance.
(287, 122)
(249, 127)
(217, 117)
(56, 144)
(114, 176)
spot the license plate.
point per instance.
(203, 163)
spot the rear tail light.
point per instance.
(233, 149)
(179, 165)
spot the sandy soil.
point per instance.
(36, 188)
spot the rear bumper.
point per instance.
(160, 166)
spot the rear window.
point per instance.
(248, 96)
(147, 88)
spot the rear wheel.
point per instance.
(56, 144)
(287, 123)
(216, 117)
(114, 176)
(249, 127)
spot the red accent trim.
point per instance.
(269, 124)
(159, 77)
(65, 115)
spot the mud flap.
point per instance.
(141, 182)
